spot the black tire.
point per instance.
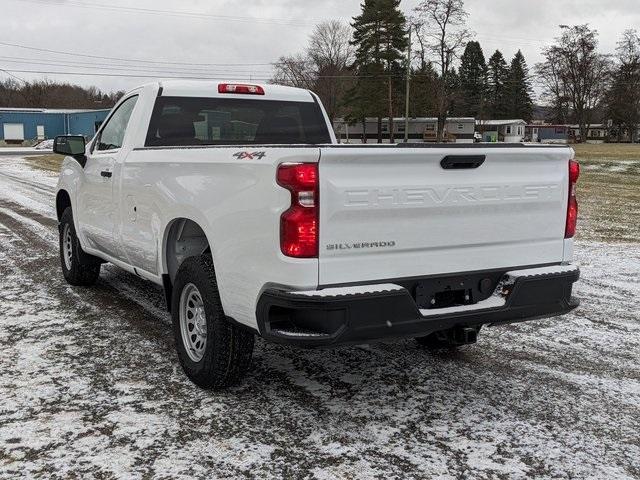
(84, 269)
(228, 348)
(443, 340)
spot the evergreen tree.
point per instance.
(380, 38)
(473, 81)
(518, 90)
(423, 83)
(498, 76)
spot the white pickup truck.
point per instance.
(239, 202)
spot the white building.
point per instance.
(508, 131)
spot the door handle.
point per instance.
(106, 174)
(458, 162)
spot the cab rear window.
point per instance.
(187, 121)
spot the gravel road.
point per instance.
(90, 385)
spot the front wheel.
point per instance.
(78, 267)
(213, 352)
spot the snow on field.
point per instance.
(90, 385)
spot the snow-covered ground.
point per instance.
(90, 385)
(24, 151)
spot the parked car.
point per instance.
(238, 201)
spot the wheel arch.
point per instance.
(63, 200)
(183, 238)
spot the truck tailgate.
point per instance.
(391, 212)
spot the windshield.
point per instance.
(186, 121)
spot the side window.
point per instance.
(112, 134)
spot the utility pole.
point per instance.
(406, 101)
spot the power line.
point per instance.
(177, 13)
(14, 76)
(119, 67)
(104, 74)
(100, 57)
(530, 42)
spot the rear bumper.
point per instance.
(349, 315)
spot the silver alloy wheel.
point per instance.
(67, 246)
(193, 322)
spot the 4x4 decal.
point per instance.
(250, 155)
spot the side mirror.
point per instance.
(72, 145)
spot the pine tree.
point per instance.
(423, 83)
(498, 76)
(473, 81)
(380, 37)
(518, 89)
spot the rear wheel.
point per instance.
(450, 339)
(213, 352)
(78, 267)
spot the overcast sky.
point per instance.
(239, 38)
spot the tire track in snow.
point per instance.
(39, 187)
(143, 293)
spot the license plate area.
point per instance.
(444, 292)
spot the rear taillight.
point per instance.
(240, 88)
(299, 224)
(572, 209)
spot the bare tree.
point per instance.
(332, 54)
(551, 78)
(329, 45)
(49, 94)
(294, 71)
(622, 100)
(628, 47)
(10, 95)
(441, 31)
(323, 67)
(575, 72)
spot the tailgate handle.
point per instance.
(459, 162)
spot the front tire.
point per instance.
(79, 268)
(213, 352)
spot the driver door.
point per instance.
(97, 209)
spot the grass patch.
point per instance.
(609, 192)
(606, 152)
(50, 162)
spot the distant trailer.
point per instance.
(507, 131)
(560, 134)
(421, 130)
